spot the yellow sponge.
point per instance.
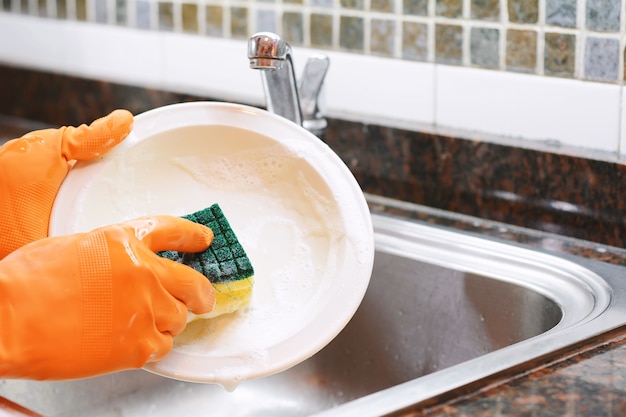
(225, 263)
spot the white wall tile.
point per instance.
(90, 50)
(379, 88)
(31, 42)
(576, 113)
(128, 56)
(211, 66)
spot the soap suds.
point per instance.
(284, 214)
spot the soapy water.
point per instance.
(282, 211)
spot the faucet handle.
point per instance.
(310, 90)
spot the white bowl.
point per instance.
(295, 206)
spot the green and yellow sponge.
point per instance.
(225, 263)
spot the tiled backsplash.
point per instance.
(581, 39)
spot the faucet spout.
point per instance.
(267, 50)
(272, 55)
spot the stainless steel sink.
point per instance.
(444, 310)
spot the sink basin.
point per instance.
(444, 310)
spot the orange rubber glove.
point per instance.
(33, 167)
(91, 303)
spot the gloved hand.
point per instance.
(91, 303)
(33, 167)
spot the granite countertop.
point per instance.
(542, 199)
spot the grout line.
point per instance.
(504, 17)
(201, 18)
(367, 27)
(581, 40)
(541, 45)
(435, 120)
(620, 72)
(620, 122)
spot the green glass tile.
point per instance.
(484, 47)
(521, 50)
(321, 30)
(601, 59)
(352, 4)
(121, 12)
(449, 44)
(293, 27)
(265, 20)
(415, 7)
(351, 32)
(239, 22)
(485, 9)
(624, 69)
(81, 9)
(561, 13)
(101, 11)
(523, 11)
(214, 17)
(414, 41)
(166, 16)
(385, 6)
(143, 14)
(383, 34)
(560, 54)
(61, 9)
(189, 14)
(449, 8)
(603, 15)
(322, 3)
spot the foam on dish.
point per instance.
(293, 203)
(284, 215)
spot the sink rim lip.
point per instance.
(391, 232)
(607, 315)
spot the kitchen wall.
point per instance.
(541, 72)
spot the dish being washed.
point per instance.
(296, 208)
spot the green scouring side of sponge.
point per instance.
(225, 262)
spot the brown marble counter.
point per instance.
(590, 383)
(555, 202)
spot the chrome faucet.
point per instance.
(300, 104)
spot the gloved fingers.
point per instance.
(170, 315)
(160, 346)
(161, 233)
(187, 285)
(84, 142)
